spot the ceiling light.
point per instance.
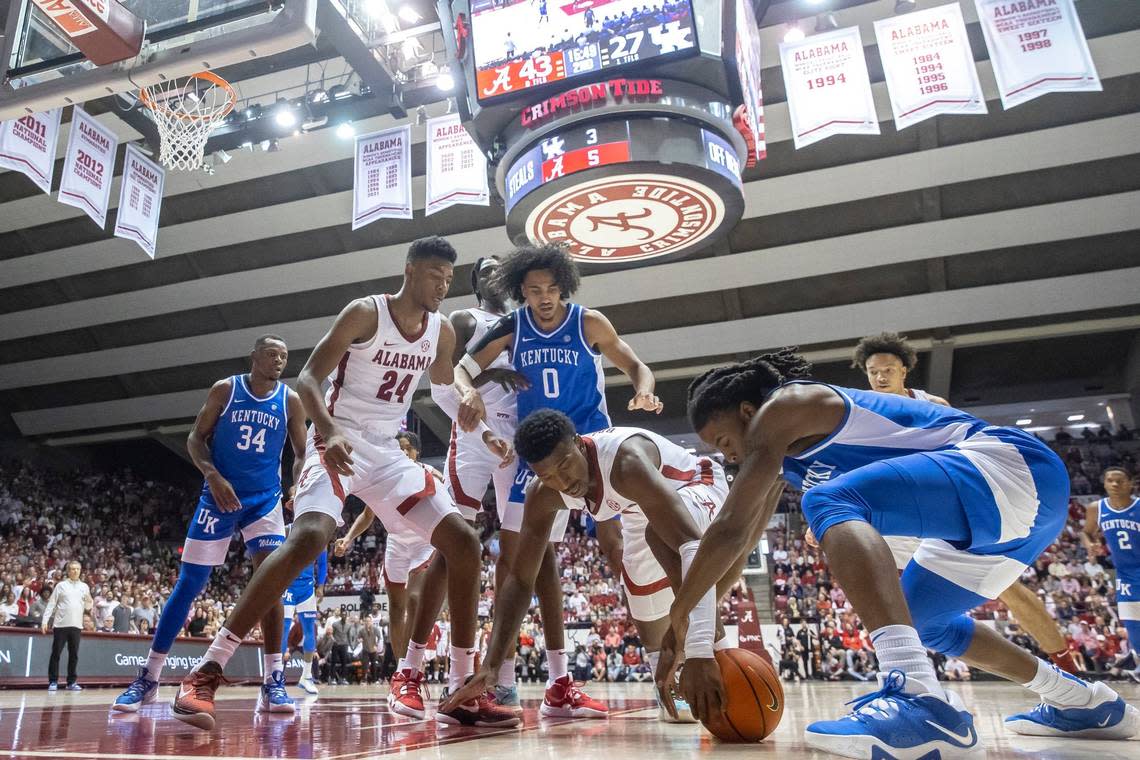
(826, 22)
(445, 81)
(409, 14)
(376, 8)
(345, 131)
(1025, 421)
(794, 34)
(284, 115)
(314, 122)
(1075, 417)
(905, 6)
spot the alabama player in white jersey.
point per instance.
(374, 355)
(665, 496)
(887, 359)
(406, 556)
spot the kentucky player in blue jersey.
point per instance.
(1117, 518)
(986, 500)
(557, 347)
(236, 442)
(301, 599)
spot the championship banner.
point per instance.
(140, 200)
(27, 145)
(928, 65)
(382, 176)
(829, 90)
(88, 167)
(1036, 47)
(456, 170)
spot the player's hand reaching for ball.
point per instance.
(702, 687)
(809, 539)
(340, 548)
(647, 402)
(223, 492)
(338, 454)
(473, 689)
(471, 410)
(500, 447)
(666, 675)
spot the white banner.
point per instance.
(27, 145)
(87, 169)
(928, 65)
(829, 91)
(140, 200)
(1036, 46)
(456, 168)
(382, 184)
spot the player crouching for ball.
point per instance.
(665, 496)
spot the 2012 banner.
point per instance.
(456, 169)
(928, 65)
(88, 167)
(27, 145)
(382, 185)
(1036, 47)
(829, 91)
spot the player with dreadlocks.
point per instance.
(987, 500)
(887, 359)
(558, 347)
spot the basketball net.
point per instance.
(186, 111)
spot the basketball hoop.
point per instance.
(186, 111)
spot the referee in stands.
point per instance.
(69, 600)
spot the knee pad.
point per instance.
(949, 635)
(833, 503)
(939, 609)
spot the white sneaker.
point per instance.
(308, 685)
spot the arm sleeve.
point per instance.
(505, 326)
(322, 568)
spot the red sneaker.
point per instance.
(564, 699)
(483, 712)
(1064, 660)
(404, 696)
(195, 701)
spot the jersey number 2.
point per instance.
(248, 438)
(550, 382)
(389, 382)
(1123, 539)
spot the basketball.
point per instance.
(754, 695)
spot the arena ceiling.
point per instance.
(1006, 245)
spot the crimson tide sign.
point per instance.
(1036, 47)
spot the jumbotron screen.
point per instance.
(521, 44)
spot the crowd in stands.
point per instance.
(821, 637)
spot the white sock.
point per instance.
(507, 673)
(558, 663)
(221, 649)
(154, 662)
(273, 663)
(1059, 688)
(462, 665)
(899, 648)
(654, 658)
(414, 659)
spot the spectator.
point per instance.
(64, 612)
(8, 608)
(144, 616)
(121, 616)
(372, 649)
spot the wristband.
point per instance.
(468, 363)
(702, 620)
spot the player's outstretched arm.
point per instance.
(356, 323)
(513, 597)
(198, 446)
(601, 334)
(1090, 534)
(362, 522)
(636, 475)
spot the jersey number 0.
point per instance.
(550, 382)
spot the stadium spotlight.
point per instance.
(376, 8)
(345, 131)
(445, 81)
(284, 114)
(794, 34)
(408, 14)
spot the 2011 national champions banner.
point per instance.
(27, 145)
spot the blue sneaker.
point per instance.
(684, 712)
(142, 691)
(1106, 717)
(891, 724)
(273, 697)
(508, 696)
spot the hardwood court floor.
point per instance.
(353, 723)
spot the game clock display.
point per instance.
(523, 44)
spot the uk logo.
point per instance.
(207, 522)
